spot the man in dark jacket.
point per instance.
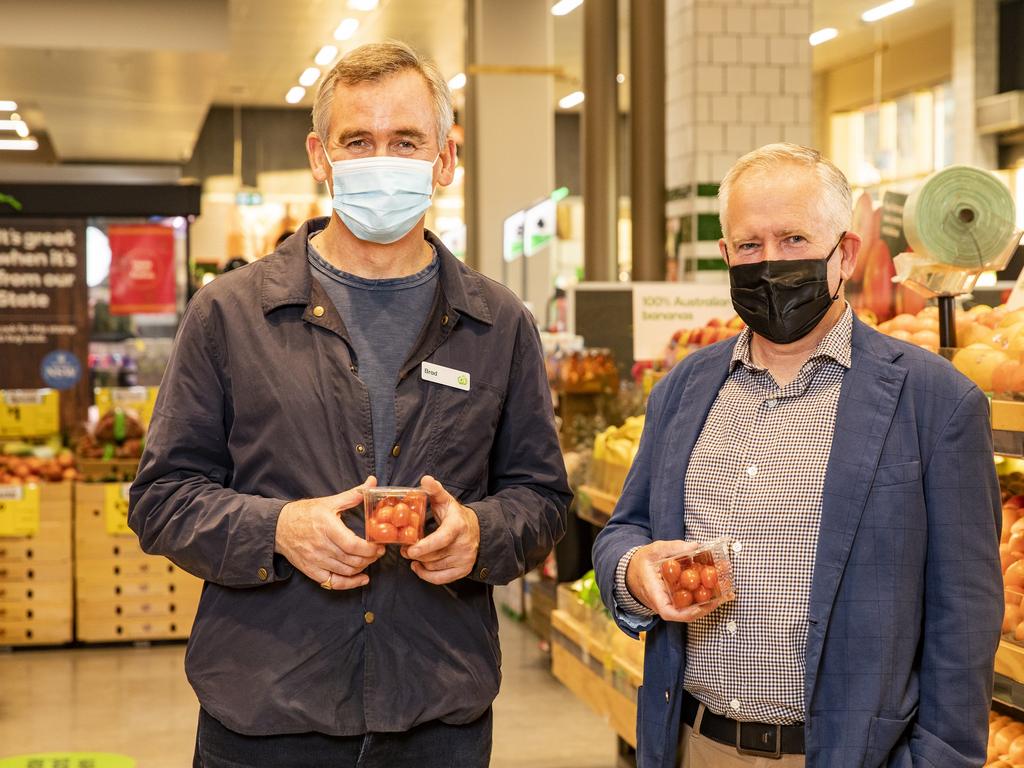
(360, 352)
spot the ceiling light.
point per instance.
(563, 7)
(326, 55)
(457, 82)
(363, 5)
(886, 9)
(295, 94)
(14, 124)
(570, 101)
(823, 35)
(25, 144)
(620, 78)
(7, 106)
(309, 76)
(346, 29)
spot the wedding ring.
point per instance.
(327, 583)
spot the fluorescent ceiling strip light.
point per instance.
(823, 35)
(23, 144)
(458, 81)
(309, 76)
(886, 9)
(326, 55)
(295, 94)
(572, 100)
(7, 106)
(562, 7)
(346, 29)
(14, 125)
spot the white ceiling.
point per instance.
(132, 80)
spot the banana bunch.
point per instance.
(618, 445)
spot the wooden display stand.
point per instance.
(121, 592)
(35, 575)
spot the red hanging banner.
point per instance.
(141, 269)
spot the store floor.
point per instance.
(136, 702)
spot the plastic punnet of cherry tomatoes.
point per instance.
(395, 515)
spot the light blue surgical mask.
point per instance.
(380, 199)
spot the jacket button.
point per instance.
(368, 617)
(360, 448)
(354, 368)
(263, 573)
(444, 319)
(667, 696)
(318, 311)
(485, 572)
(396, 450)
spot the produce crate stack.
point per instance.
(35, 521)
(123, 594)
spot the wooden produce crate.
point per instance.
(123, 594)
(35, 565)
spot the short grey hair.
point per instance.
(836, 200)
(373, 62)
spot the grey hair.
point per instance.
(373, 62)
(836, 201)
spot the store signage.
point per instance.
(115, 508)
(29, 413)
(512, 236)
(44, 306)
(661, 309)
(141, 269)
(141, 400)
(19, 510)
(60, 369)
(539, 226)
(68, 760)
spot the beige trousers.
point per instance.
(701, 752)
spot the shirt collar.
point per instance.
(837, 345)
(286, 278)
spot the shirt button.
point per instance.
(667, 696)
(735, 704)
(360, 448)
(731, 626)
(318, 311)
(263, 573)
(771, 403)
(368, 617)
(737, 547)
(752, 470)
(396, 450)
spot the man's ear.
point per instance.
(316, 151)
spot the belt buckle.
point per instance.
(773, 754)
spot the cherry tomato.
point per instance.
(383, 532)
(670, 571)
(408, 535)
(401, 517)
(414, 520)
(709, 577)
(689, 579)
(682, 599)
(384, 514)
(701, 595)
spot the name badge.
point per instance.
(449, 377)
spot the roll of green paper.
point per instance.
(960, 216)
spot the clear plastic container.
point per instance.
(700, 576)
(395, 515)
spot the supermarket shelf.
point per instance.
(1008, 427)
(594, 505)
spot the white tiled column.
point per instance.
(975, 74)
(738, 76)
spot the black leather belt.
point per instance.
(759, 739)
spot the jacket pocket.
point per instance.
(884, 736)
(465, 424)
(894, 474)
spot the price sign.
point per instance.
(138, 399)
(19, 510)
(29, 412)
(68, 760)
(116, 508)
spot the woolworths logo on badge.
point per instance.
(463, 380)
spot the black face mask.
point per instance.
(783, 300)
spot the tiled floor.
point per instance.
(136, 702)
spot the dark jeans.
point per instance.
(431, 745)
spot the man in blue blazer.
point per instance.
(853, 475)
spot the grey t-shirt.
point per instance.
(384, 318)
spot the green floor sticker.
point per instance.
(68, 760)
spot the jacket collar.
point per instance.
(287, 281)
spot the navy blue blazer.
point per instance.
(906, 597)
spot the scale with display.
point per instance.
(960, 223)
